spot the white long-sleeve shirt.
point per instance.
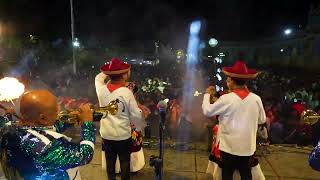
(238, 121)
(118, 127)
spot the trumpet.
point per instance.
(310, 117)
(98, 113)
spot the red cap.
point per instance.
(115, 66)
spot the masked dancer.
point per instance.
(33, 148)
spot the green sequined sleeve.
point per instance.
(62, 154)
(61, 126)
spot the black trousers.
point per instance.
(121, 149)
(230, 163)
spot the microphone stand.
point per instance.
(157, 161)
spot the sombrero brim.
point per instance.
(250, 75)
(105, 69)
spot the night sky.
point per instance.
(123, 22)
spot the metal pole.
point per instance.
(74, 63)
(156, 44)
(161, 146)
(159, 167)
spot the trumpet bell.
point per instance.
(310, 117)
(111, 108)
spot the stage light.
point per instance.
(195, 27)
(287, 32)
(76, 43)
(213, 42)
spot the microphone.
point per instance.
(162, 105)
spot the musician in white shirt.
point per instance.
(239, 112)
(115, 130)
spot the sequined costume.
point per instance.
(43, 154)
(314, 158)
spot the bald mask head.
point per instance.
(39, 108)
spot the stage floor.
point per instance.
(283, 162)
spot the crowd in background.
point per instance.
(280, 94)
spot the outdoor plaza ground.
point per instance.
(285, 162)
(278, 162)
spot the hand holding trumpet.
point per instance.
(212, 91)
(84, 114)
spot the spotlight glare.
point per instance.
(287, 31)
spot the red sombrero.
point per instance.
(298, 107)
(115, 66)
(239, 70)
